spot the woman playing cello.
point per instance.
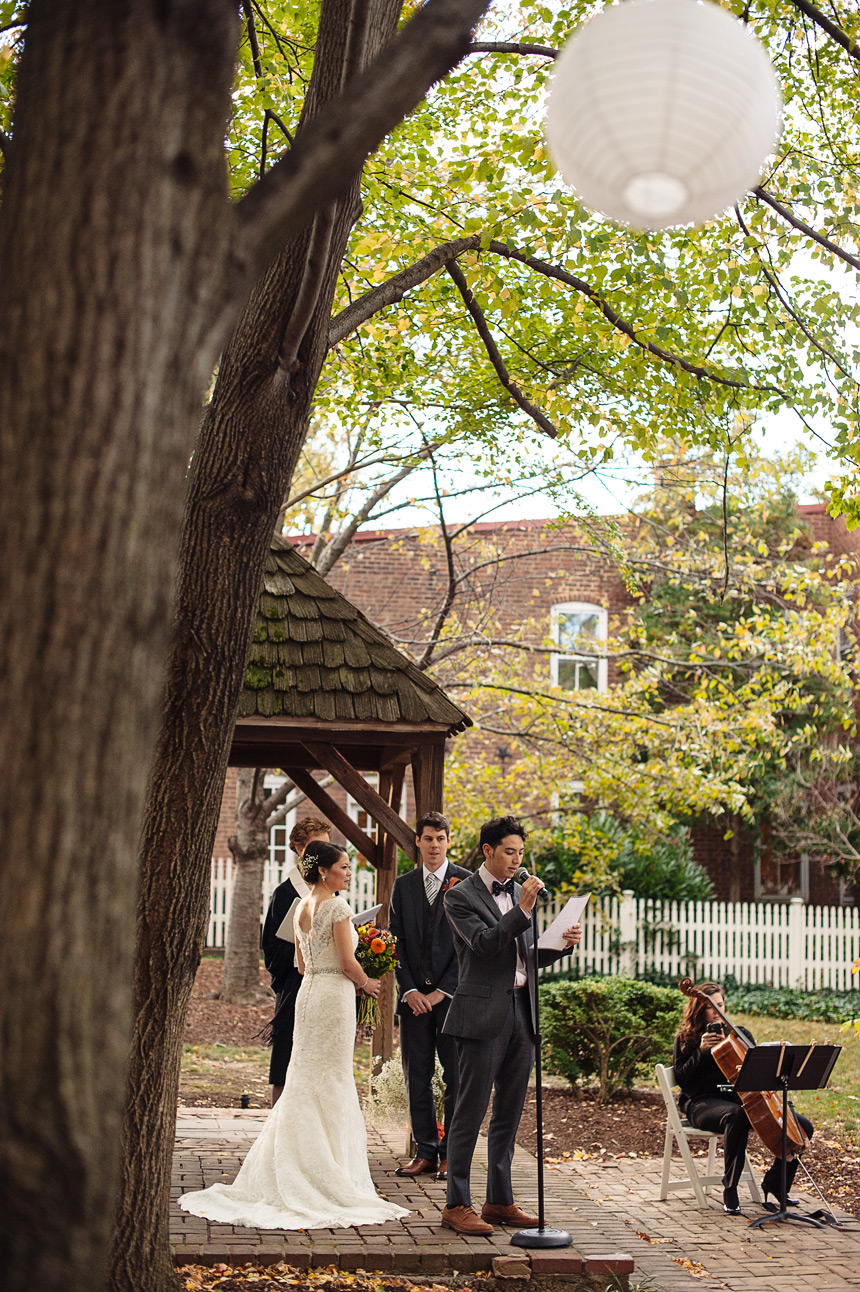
(706, 1103)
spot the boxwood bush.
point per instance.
(608, 1029)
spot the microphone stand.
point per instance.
(542, 1236)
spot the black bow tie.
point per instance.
(507, 887)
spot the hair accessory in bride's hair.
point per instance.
(318, 855)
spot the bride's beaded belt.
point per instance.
(309, 972)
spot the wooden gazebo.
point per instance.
(327, 691)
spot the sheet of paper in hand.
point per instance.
(285, 930)
(366, 917)
(551, 938)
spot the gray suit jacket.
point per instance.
(486, 946)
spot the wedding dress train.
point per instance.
(308, 1167)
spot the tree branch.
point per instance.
(792, 312)
(338, 545)
(252, 39)
(278, 814)
(495, 357)
(451, 591)
(361, 465)
(621, 324)
(802, 227)
(440, 257)
(511, 47)
(396, 287)
(332, 148)
(834, 31)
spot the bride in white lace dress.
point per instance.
(308, 1167)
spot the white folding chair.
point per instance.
(679, 1130)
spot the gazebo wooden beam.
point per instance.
(335, 813)
(355, 784)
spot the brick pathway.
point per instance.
(211, 1144)
(610, 1208)
(725, 1252)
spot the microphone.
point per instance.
(522, 875)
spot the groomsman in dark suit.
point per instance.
(279, 953)
(426, 977)
(491, 1017)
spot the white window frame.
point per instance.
(802, 862)
(579, 608)
(281, 856)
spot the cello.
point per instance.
(762, 1107)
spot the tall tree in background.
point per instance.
(734, 670)
(123, 265)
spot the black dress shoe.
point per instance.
(731, 1204)
(442, 1173)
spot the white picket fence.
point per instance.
(783, 944)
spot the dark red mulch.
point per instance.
(633, 1124)
(214, 1022)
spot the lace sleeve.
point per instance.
(334, 910)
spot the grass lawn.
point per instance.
(217, 1075)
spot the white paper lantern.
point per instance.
(662, 112)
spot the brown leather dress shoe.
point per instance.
(510, 1215)
(418, 1166)
(442, 1173)
(464, 1220)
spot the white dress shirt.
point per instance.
(505, 903)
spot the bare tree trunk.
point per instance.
(250, 440)
(249, 846)
(114, 231)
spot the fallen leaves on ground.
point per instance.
(692, 1267)
(276, 1278)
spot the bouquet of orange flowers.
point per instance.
(377, 954)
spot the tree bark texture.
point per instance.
(114, 230)
(250, 439)
(249, 846)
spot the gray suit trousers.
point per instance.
(500, 1067)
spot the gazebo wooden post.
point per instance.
(428, 774)
(390, 789)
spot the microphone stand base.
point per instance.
(541, 1238)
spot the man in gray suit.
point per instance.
(491, 1017)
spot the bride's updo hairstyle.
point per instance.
(319, 856)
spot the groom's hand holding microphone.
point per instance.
(532, 887)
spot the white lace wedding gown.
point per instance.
(308, 1167)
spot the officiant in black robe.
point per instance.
(426, 979)
(279, 953)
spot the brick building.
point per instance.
(556, 583)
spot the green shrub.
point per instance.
(822, 1006)
(608, 1028)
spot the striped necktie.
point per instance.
(431, 887)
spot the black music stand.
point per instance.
(786, 1067)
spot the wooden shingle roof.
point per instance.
(314, 655)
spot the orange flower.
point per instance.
(377, 946)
